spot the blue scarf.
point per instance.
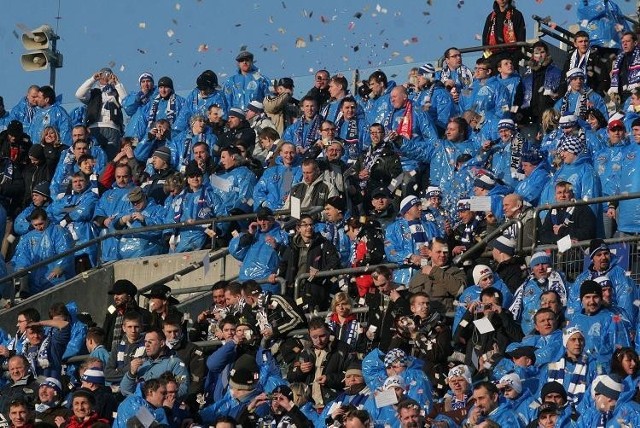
(311, 136)
(170, 110)
(418, 233)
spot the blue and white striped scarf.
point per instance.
(577, 380)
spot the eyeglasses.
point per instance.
(306, 225)
(328, 129)
(321, 79)
(245, 60)
(455, 55)
(481, 68)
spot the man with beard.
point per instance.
(604, 264)
(603, 330)
(124, 301)
(487, 406)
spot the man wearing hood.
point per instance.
(237, 129)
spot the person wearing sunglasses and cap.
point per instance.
(247, 85)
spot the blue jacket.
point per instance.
(182, 147)
(423, 131)
(54, 115)
(512, 84)
(530, 188)
(608, 164)
(625, 414)
(303, 139)
(439, 102)
(75, 213)
(130, 406)
(338, 237)
(133, 106)
(504, 416)
(418, 384)
(376, 110)
(490, 99)
(269, 191)
(501, 153)
(599, 18)
(624, 291)
(572, 98)
(603, 333)
(152, 369)
(67, 166)
(259, 259)
(472, 293)
(36, 246)
(629, 210)
(240, 192)
(550, 347)
(22, 225)
(76, 344)
(195, 103)
(142, 244)
(527, 298)
(399, 245)
(141, 127)
(442, 155)
(582, 176)
(19, 112)
(198, 205)
(229, 406)
(240, 89)
(112, 203)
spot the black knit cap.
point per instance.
(590, 287)
(245, 373)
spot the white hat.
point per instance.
(480, 272)
(511, 380)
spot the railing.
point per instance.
(544, 27)
(488, 47)
(577, 202)
(479, 246)
(131, 232)
(337, 272)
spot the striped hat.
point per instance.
(575, 73)
(427, 70)
(568, 121)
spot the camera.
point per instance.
(487, 306)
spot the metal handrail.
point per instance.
(457, 260)
(337, 272)
(488, 47)
(579, 202)
(159, 227)
(559, 29)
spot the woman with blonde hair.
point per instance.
(52, 146)
(342, 321)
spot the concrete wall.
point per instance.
(89, 290)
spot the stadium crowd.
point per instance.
(412, 173)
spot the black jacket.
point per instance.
(513, 272)
(334, 366)
(383, 315)
(321, 255)
(109, 323)
(582, 225)
(385, 168)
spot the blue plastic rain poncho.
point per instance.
(36, 246)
